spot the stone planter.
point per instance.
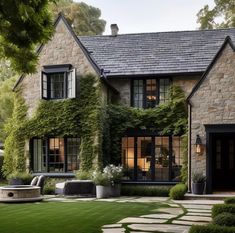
(198, 188)
(102, 191)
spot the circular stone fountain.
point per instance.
(20, 193)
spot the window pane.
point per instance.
(164, 90)
(57, 85)
(39, 158)
(73, 154)
(177, 157)
(138, 93)
(151, 93)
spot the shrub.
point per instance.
(142, 190)
(225, 219)
(229, 200)
(83, 175)
(198, 178)
(178, 191)
(220, 208)
(23, 176)
(100, 178)
(49, 187)
(1, 163)
(211, 229)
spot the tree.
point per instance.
(224, 10)
(5, 70)
(6, 103)
(84, 19)
(23, 25)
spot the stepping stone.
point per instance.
(159, 216)
(113, 230)
(188, 223)
(160, 227)
(141, 220)
(175, 211)
(204, 207)
(172, 205)
(196, 218)
(198, 211)
(150, 199)
(112, 226)
(199, 214)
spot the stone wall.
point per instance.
(213, 102)
(61, 49)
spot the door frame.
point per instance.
(210, 130)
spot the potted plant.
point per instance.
(198, 183)
(19, 178)
(102, 183)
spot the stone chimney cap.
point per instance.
(114, 29)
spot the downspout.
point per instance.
(189, 145)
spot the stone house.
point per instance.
(137, 69)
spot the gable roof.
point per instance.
(160, 53)
(227, 41)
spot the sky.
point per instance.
(133, 16)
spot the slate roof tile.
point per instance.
(156, 53)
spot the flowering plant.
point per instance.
(110, 175)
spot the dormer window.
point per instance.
(58, 82)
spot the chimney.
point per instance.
(114, 29)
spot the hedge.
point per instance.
(225, 219)
(178, 191)
(220, 208)
(211, 229)
(229, 200)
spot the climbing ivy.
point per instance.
(169, 118)
(100, 127)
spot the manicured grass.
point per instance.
(61, 217)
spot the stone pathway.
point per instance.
(177, 218)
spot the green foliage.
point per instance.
(24, 176)
(100, 178)
(73, 117)
(211, 229)
(198, 177)
(229, 200)
(14, 156)
(6, 103)
(220, 208)
(84, 18)
(211, 18)
(143, 190)
(49, 187)
(1, 163)
(225, 219)
(168, 118)
(23, 25)
(178, 191)
(6, 70)
(83, 175)
(184, 152)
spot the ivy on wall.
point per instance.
(81, 117)
(99, 127)
(168, 118)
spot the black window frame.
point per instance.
(66, 70)
(144, 90)
(47, 140)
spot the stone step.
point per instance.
(190, 196)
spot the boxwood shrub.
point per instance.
(229, 200)
(178, 191)
(211, 229)
(225, 219)
(145, 190)
(220, 208)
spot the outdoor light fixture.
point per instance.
(198, 145)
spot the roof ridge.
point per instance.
(165, 32)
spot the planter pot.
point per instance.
(15, 181)
(198, 188)
(115, 190)
(102, 191)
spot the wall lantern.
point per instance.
(198, 145)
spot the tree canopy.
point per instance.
(84, 19)
(221, 16)
(23, 25)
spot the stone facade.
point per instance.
(61, 49)
(213, 103)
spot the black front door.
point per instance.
(223, 161)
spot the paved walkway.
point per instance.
(177, 217)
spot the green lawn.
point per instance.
(71, 217)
